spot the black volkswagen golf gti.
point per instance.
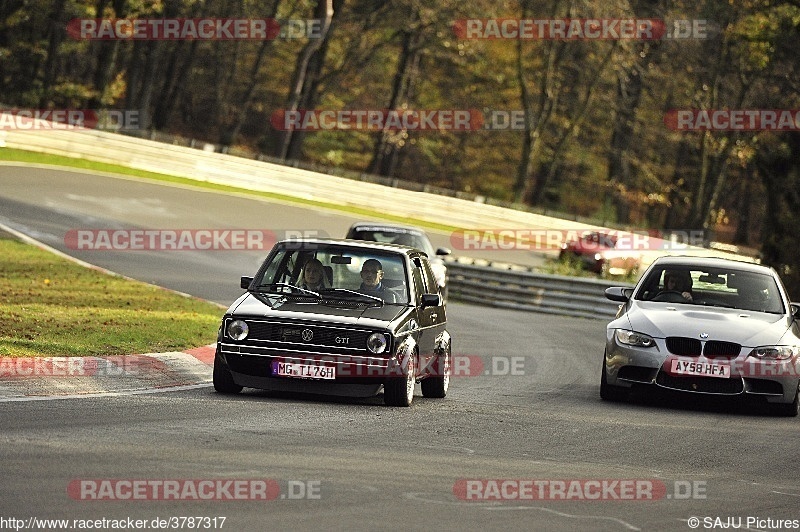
(337, 317)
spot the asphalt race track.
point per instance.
(341, 464)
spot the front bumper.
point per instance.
(257, 367)
(627, 366)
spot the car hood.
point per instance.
(749, 329)
(271, 306)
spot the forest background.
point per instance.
(595, 140)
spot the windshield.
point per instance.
(335, 272)
(404, 237)
(718, 287)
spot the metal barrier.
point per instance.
(531, 291)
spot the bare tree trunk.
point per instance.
(229, 133)
(384, 155)
(299, 92)
(56, 31)
(106, 56)
(629, 91)
(548, 99)
(572, 125)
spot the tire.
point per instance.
(223, 380)
(788, 409)
(400, 391)
(609, 392)
(437, 386)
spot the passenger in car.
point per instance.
(371, 285)
(752, 296)
(314, 276)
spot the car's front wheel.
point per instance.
(223, 380)
(609, 392)
(437, 384)
(400, 391)
(789, 409)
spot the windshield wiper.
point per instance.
(374, 298)
(287, 285)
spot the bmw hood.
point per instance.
(281, 307)
(749, 329)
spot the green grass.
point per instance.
(50, 306)
(15, 155)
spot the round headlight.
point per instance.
(237, 330)
(376, 343)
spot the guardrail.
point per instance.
(531, 291)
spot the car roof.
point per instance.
(385, 227)
(713, 262)
(357, 244)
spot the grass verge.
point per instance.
(50, 306)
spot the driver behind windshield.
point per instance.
(371, 285)
(678, 281)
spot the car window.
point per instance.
(420, 286)
(432, 287)
(722, 287)
(409, 238)
(342, 268)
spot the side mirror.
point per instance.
(619, 293)
(442, 251)
(431, 300)
(795, 309)
(244, 282)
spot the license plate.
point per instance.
(303, 371)
(700, 369)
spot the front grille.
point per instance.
(701, 384)
(717, 349)
(682, 346)
(310, 335)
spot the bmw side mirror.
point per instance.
(619, 293)
(244, 282)
(795, 308)
(442, 251)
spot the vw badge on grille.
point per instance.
(307, 335)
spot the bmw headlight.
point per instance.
(376, 343)
(634, 338)
(237, 330)
(775, 352)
